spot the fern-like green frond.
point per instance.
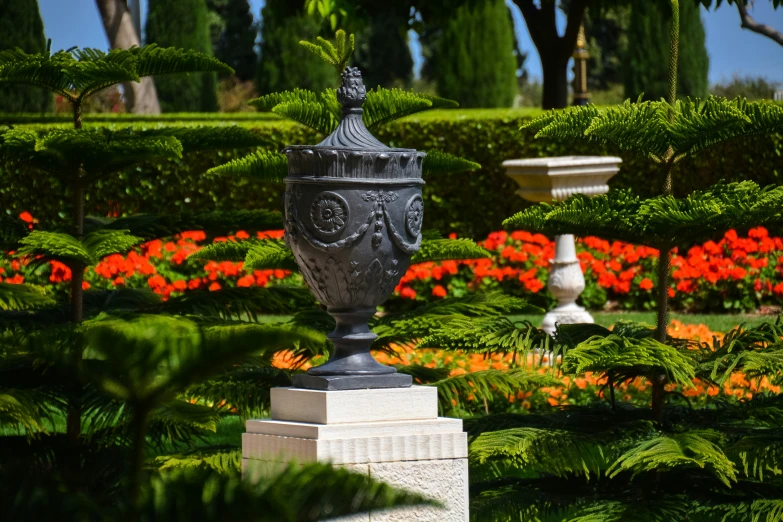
(336, 54)
(238, 302)
(263, 165)
(270, 254)
(266, 254)
(437, 162)
(62, 151)
(55, 245)
(23, 297)
(487, 384)
(386, 105)
(267, 102)
(490, 335)
(245, 389)
(608, 216)
(680, 450)
(566, 124)
(147, 356)
(72, 75)
(101, 243)
(762, 510)
(446, 249)
(297, 494)
(234, 251)
(628, 357)
(561, 453)
(637, 127)
(759, 455)
(315, 115)
(226, 460)
(151, 60)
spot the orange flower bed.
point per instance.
(574, 390)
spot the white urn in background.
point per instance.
(556, 179)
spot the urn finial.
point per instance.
(351, 93)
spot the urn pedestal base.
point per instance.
(351, 382)
(393, 435)
(568, 314)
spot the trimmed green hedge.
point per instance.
(471, 204)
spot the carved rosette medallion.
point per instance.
(414, 215)
(329, 212)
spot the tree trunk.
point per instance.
(141, 97)
(555, 95)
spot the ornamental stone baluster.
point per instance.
(556, 179)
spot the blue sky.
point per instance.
(732, 49)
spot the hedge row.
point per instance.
(473, 204)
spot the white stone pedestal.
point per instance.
(557, 179)
(392, 434)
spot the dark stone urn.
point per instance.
(353, 216)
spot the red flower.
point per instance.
(646, 284)
(214, 287)
(439, 291)
(408, 293)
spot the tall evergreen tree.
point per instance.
(285, 64)
(21, 26)
(475, 63)
(235, 43)
(385, 59)
(647, 59)
(183, 24)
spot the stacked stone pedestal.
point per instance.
(392, 434)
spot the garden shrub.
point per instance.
(21, 26)
(183, 24)
(472, 204)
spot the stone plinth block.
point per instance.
(352, 406)
(392, 435)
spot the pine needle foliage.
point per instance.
(619, 215)
(693, 449)
(628, 358)
(79, 73)
(652, 128)
(336, 54)
(262, 165)
(58, 246)
(437, 162)
(23, 297)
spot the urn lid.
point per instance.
(351, 151)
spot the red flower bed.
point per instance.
(162, 266)
(734, 274)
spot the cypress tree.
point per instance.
(694, 65)
(183, 24)
(21, 26)
(475, 62)
(385, 58)
(647, 58)
(236, 42)
(285, 64)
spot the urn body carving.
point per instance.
(353, 216)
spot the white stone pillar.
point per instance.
(392, 434)
(557, 179)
